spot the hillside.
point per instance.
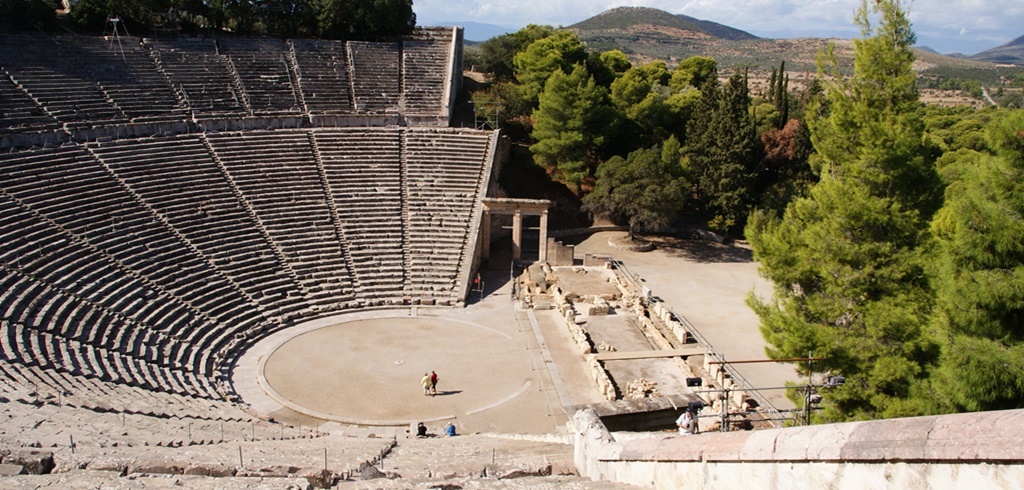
(647, 34)
(1011, 53)
(634, 19)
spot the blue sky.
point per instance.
(966, 26)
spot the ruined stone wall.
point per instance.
(558, 254)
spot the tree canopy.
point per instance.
(848, 261)
(979, 276)
(572, 122)
(369, 20)
(645, 190)
(560, 51)
(723, 150)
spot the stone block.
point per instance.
(563, 469)
(64, 462)
(34, 462)
(981, 436)
(827, 441)
(508, 472)
(157, 467)
(720, 446)
(12, 469)
(760, 446)
(318, 477)
(118, 465)
(211, 469)
(893, 440)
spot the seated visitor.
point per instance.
(687, 423)
(421, 430)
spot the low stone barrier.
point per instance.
(971, 450)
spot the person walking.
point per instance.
(426, 384)
(433, 383)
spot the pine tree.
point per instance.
(570, 124)
(561, 50)
(979, 276)
(847, 261)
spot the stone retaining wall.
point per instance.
(977, 450)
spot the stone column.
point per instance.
(485, 232)
(517, 234)
(543, 253)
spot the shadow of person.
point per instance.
(448, 392)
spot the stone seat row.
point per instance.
(173, 209)
(31, 384)
(91, 80)
(53, 353)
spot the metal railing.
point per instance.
(767, 407)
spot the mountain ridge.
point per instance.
(626, 18)
(1011, 53)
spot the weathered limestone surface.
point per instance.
(980, 450)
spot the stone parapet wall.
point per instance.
(980, 450)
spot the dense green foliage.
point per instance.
(333, 19)
(582, 109)
(560, 51)
(572, 122)
(723, 150)
(849, 260)
(497, 53)
(979, 275)
(20, 14)
(645, 190)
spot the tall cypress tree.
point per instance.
(847, 260)
(723, 149)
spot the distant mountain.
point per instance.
(719, 30)
(1011, 53)
(633, 19)
(647, 34)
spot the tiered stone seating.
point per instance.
(47, 408)
(178, 179)
(87, 83)
(424, 73)
(263, 67)
(376, 76)
(132, 270)
(71, 190)
(444, 171)
(27, 383)
(47, 69)
(364, 174)
(201, 75)
(129, 76)
(323, 75)
(19, 113)
(277, 174)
